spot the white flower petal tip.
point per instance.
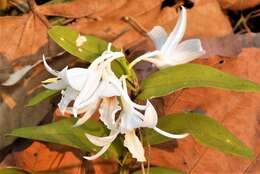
(80, 40)
(48, 68)
(89, 111)
(81, 121)
(97, 155)
(102, 141)
(150, 116)
(158, 35)
(169, 135)
(17, 76)
(177, 34)
(134, 146)
(187, 51)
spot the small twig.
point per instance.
(23, 7)
(33, 7)
(138, 27)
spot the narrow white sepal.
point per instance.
(177, 34)
(97, 155)
(150, 116)
(89, 111)
(102, 141)
(134, 146)
(169, 135)
(48, 68)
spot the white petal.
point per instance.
(48, 68)
(17, 76)
(108, 89)
(150, 116)
(90, 110)
(84, 118)
(59, 85)
(169, 135)
(101, 152)
(187, 51)
(89, 88)
(102, 141)
(108, 109)
(77, 77)
(67, 96)
(146, 57)
(177, 34)
(79, 111)
(130, 119)
(158, 36)
(134, 146)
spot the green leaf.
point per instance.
(90, 50)
(13, 170)
(57, 1)
(41, 96)
(160, 170)
(204, 129)
(66, 38)
(63, 132)
(182, 76)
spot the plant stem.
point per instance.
(125, 162)
(124, 170)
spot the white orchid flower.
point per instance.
(128, 120)
(102, 83)
(169, 51)
(61, 82)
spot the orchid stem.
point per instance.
(142, 167)
(124, 165)
(124, 170)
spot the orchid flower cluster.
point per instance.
(97, 88)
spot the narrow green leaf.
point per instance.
(90, 50)
(57, 1)
(13, 170)
(204, 129)
(66, 38)
(160, 170)
(63, 132)
(178, 77)
(41, 96)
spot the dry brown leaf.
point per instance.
(239, 112)
(22, 36)
(205, 14)
(238, 4)
(48, 157)
(79, 8)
